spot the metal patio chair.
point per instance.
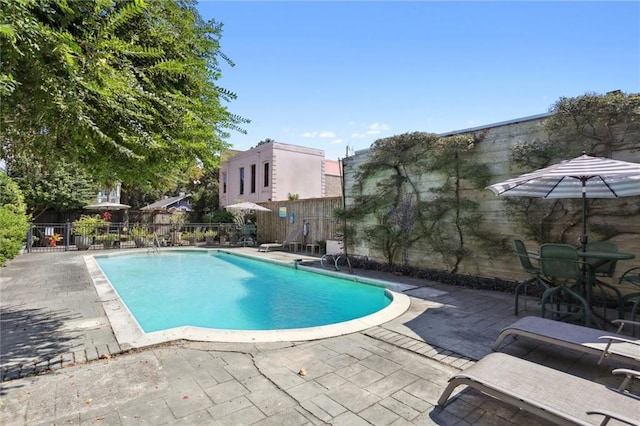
(562, 268)
(605, 270)
(631, 278)
(520, 250)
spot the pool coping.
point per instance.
(130, 335)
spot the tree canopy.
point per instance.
(59, 186)
(125, 89)
(594, 123)
(13, 220)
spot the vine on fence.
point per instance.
(595, 124)
(412, 191)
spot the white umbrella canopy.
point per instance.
(247, 205)
(107, 205)
(582, 177)
(595, 177)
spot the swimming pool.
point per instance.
(214, 295)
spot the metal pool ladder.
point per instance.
(155, 246)
(339, 259)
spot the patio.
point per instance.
(390, 374)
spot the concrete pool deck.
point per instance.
(53, 319)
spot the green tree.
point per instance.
(13, 219)
(60, 186)
(125, 88)
(593, 123)
(204, 194)
(139, 196)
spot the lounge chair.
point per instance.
(551, 394)
(584, 339)
(291, 238)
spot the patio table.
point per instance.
(595, 259)
(602, 257)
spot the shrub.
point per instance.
(140, 232)
(14, 222)
(177, 219)
(219, 216)
(107, 237)
(193, 236)
(88, 225)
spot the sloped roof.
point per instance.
(166, 203)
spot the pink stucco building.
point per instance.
(271, 171)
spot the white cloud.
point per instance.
(377, 128)
(372, 129)
(337, 141)
(323, 135)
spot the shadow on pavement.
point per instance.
(32, 339)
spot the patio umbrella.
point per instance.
(582, 177)
(107, 205)
(182, 208)
(247, 205)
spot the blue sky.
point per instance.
(334, 74)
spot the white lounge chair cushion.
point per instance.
(292, 237)
(267, 246)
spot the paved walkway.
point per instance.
(393, 374)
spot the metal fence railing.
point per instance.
(44, 237)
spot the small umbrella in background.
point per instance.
(582, 177)
(183, 209)
(107, 205)
(239, 211)
(247, 205)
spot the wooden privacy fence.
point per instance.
(315, 215)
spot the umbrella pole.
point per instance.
(584, 238)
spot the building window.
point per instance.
(266, 174)
(241, 180)
(224, 182)
(253, 178)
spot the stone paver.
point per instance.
(392, 374)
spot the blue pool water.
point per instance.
(223, 291)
